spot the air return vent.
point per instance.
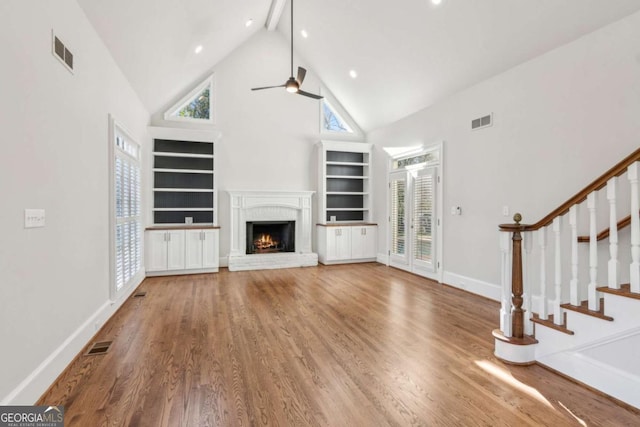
(61, 52)
(482, 122)
(99, 348)
(140, 294)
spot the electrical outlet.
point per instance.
(505, 211)
(34, 218)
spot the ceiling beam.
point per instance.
(277, 6)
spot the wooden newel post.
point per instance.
(516, 281)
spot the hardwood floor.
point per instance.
(349, 345)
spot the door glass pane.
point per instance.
(423, 197)
(398, 229)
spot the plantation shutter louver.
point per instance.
(398, 228)
(423, 214)
(128, 227)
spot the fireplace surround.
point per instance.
(270, 206)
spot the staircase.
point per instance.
(571, 302)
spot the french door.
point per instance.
(413, 220)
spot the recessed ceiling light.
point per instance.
(198, 49)
(436, 2)
(304, 33)
(248, 23)
(353, 74)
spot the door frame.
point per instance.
(437, 149)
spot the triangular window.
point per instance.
(331, 120)
(196, 106)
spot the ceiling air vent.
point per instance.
(61, 52)
(482, 122)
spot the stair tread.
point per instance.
(549, 323)
(584, 309)
(624, 291)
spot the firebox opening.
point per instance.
(270, 236)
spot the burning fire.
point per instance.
(264, 241)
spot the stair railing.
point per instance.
(518, 289)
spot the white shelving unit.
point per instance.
(344, 182)
(184, 190)
(344, 232)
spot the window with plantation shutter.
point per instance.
(398, 228)
(423, 215)
(127, 205)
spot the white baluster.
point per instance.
(594, 295)
(574, 291)
(634, 274)
(543, 310)
(528, 244)
(505, 309)
(557, 310)
(614, 264)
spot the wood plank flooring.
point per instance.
(348, 345)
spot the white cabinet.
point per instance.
(181, 251)
(165, 250)
(347, 243)
(338, 241)
(201, 249)
(363, 242)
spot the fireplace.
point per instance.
(270, 237)
(290, 214)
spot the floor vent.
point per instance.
(482, 122)
(99, 348)
(140, 294)
(61, 52)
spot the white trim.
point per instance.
(186, 99)
(356, 133)
(179, 134)
(38, 381)
(470, 284)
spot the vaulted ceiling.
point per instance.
(408, 54)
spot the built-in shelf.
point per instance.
(184, 183)
(343, 182)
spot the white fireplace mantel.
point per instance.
(270, 206)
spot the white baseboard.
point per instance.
(38, 381)
(479, 287)
(224, 261)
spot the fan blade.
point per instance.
(266, 87)
(310, 95)
(301, 73)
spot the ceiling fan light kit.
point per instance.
(292, 85)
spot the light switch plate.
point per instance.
(34, 218)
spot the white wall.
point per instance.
(53, 280)
(561, 120)
(268, 136)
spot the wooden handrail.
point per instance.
(599, 183)
(624, 222)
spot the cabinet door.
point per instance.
(363, 242)
(339, 244)
(193, 249)
(156, 251)
(210, 258)
(175, 249)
